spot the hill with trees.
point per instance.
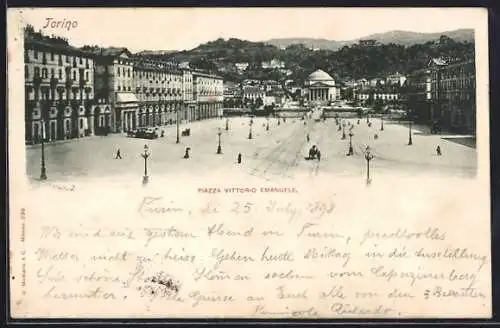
(349, 62)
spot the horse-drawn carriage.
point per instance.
(314, 153)
(186, 132)
(435, 127)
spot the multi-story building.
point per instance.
(114, 82)
(208, 94)
(417, 94)
(445, 92)
(454, 95)
(233, 95)
(91, 90)
(395, 79)
(158, 88)
(59, 90)
(273, 64)
(383, 95)
(253, 92)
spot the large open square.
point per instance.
(279, 152)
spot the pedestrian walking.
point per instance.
(186, 153)
(318, 153)
(118, 154)
(438, 150)
(239, 158)
(162, 133)
(308, 138)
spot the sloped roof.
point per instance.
(109, 52)
(319, 85)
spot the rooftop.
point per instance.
(319, 75)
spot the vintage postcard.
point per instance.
(249, 163)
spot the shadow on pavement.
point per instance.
(464, 141)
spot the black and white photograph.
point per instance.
(405, 98)
(323, 158)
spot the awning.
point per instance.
(125, 97)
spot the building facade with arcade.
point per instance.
(59, 90)
(77, 92)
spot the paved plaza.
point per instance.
(277, 153)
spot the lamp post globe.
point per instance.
(145, 154)
(368, 157)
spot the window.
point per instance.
(52, 56)
(52, 73)
(44, 73)
(81, 123)
(67, 59)
(86, 76)
(35, 54)
(37, 72)
(60, 74)
(129, 88)
(26, 72)
(81, 61)
(74, 75)
(119, 88)
(118, 71)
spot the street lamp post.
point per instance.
(43, 171)
(177, 122)
(145, 155)
(368, 157)
(382, 123)
(410, 140)
(250, 132)
(351, 150)
(219, 148)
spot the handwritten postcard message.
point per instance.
(159, 183)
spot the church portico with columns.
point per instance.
(320, 87)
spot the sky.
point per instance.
(185, 28)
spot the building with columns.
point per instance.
(59, 90)
(208, 94)
(77, 92)
(320, 87)
(158, 88)
(114, 85)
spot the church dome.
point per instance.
(319, 75)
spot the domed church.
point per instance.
(320, 87)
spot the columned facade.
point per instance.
(320, 87)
